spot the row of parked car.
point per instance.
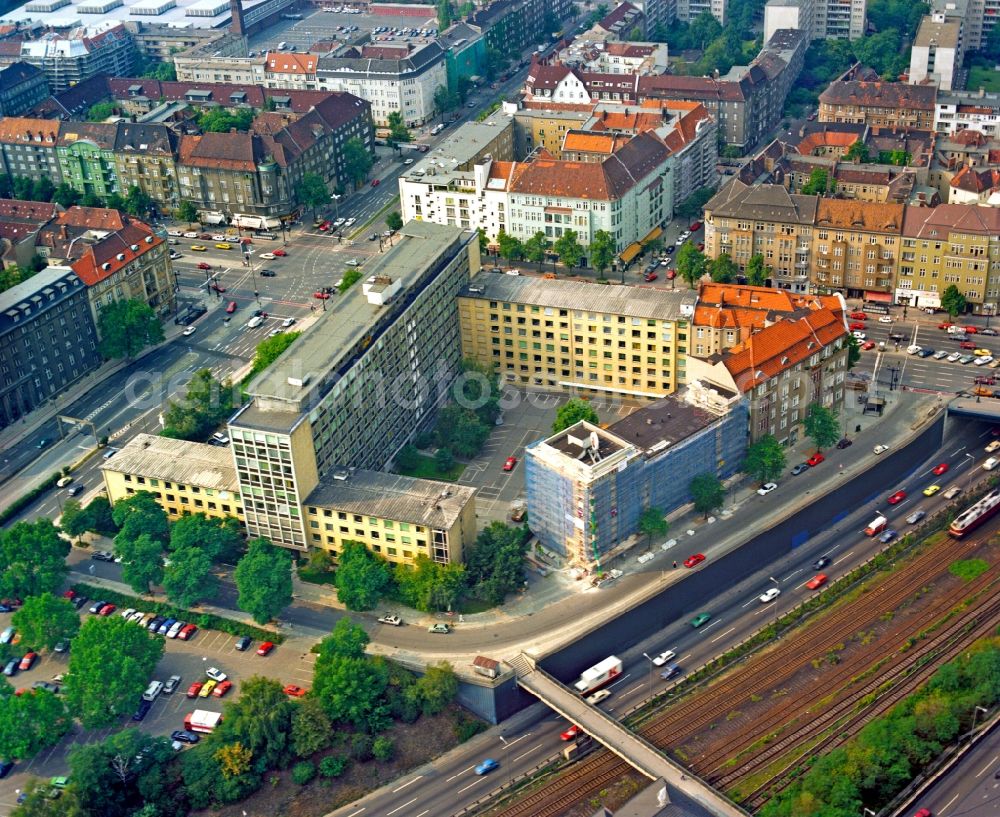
(158, 625)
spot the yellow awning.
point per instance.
(630, 252)
(654, 234)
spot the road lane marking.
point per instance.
(355, 813)
(723, 635)
(525, 754)
(422, 813)
(415, 779)
(459, 774)
(953, 799)
(842, 558)
(626, 675)
(399, 808)
(637, 686)
(473, 783)
(792, 574)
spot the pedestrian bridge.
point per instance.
(981, 408)
(631, 748)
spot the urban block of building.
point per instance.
(955, 111)
(22, 86)
(879, 104)
(938, 51)
(587, 486)
(70, 58)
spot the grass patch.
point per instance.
(424, 467)
(983, 77)
(470, 606)
(968, 569)
(313, 576)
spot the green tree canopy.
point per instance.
(362, 577)
(358, 160)
(723, 270)
(137, 202)
(312, 730)
(186, 211)
(222, 120)
(264, 580)
(438, 687)
(66, 195)
(268, 351)
(188, 578)
(394, 221)
(351, 690)
(219, 538)
(569, 249)
(602, 250)
(494, 565)
(127, 327)
(694, 205)
(953, 302)
(30, 722)
(32, 559)
(765, 459)
(509, 247)
(707, 493)
(535, 247)
(45, 620)
(140, 513)
(71, 519)
(142, 561)
(427, 585)
(652, 523)
(818, 183)
(311, 191)
(757, 272)
(821, 425)
(101, 111)
(207, 404)
(571, 412)
(691, 263)
(260, 719)
(398, 132)
(126, 656)
(853, 351)
(858, 152)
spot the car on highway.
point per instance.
(294, 691)
(971, 330)
(217, 287)
(189, 331)
(663, 657)
(376, 182)
(940, 468)
(279, 253)
(896, 498)
(700, 619)
(858, 316)
(769, 595)
(670, 671)
(930, 490)
(223, 245)
(924, 812)
(323, 296)
(844, 442)
(268, 273)
(859, 335)
(571, 734)
(76, 489)
(650, 276)
(915, 517)
(880, 449)
(510, 463)
(597, 697)
(887, 536)
(867, 345)
(857, 325)
(323, 226)
(489, 764)
(203, 265)
(816, 581)
(391, 619)
(443, 629)
(945, 325)
(821, 562)
(64, 481)
(967, 344)
(268, 256)
(766, 488)
(993, 446)
(349, 221)
(815, 460)
(694, 559)
(231, 307)
(799, 469)
(199, 248)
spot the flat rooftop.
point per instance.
(583, 296)
(662, 424)
(152, 457)
(349, 318)
(464, 145)
(392, 496)
(571, 441)
(174, 13)
(943, 35)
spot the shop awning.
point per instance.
(653, 235)
(630, 252)
(878, 297)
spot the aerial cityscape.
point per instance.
(499, 408)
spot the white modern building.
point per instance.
(821, 19)
(937, 51)
(956, 111)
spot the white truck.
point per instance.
(598, 675)
(201, 720)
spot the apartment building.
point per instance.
(145, 157)
(587, 486)
(556, 334)
(956, 111)
(86, 155)
(184, 477)
(879, 104)
(780, 370)
(69, 59)
(689, 10)
(511, 26)
(622, 21)
(839, 19)
(950, 244)
(937, 52)
(48, 341)
(978, 19)
(358, 384)
(236, 70)
(28, 147)
(22, 86)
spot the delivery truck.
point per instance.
(598, 675)
(201, 720)
(876, 526)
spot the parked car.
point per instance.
(28, 661)
(185, 736)
(265, 648)
(390, 618)
(799, 469)
(171, 684)
(194, 690)
(294, 691)
(222, 689)
(439, 628)
(766, 488)
(815, 460)
(216, 674)
(243, 643)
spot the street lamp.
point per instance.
(651, 665)
(972, 468)
(868, 811)
(975, 714)
(506, 758)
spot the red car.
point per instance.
(203, 265)
(324, 226)
(650, 276)
(69, 594)
(295, 691)
(246, 241)
(695, 559)
(219, 288)
(695, 226)
(571, 733)
(510, 463)
(940, 469)
(971, 330)
(107, 610)
(857, 325)
(868, 344)
(859, 316)
(323, 296)
(27, 661)
(967, 344)
(816, 581)
(924, 812)
(231, 307)
(205, 236)
(376, 182)
(944, 325)
(279, 253)
(815, 460)
(265, 648)
(187, 632)
(222, 689)
(897, 497)
(194, 689)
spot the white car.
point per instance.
(128, 613)
(913, 349)
(880, 449)
(954, 356)
(941, 355)
(769, 595)
(188, 332)
(339, 222)
(663, 657)
(982, 361)
(407, 161)
(190, 235)
(597, 697)
(219, 237)
(766, 488)
(175, 255)
(216, 674)
(991, 463)
(287, 322)
(175, 629)
(885, 319)
(268, 256)
(513, 272)
(349, 222)
(859, 335)
(175, 233)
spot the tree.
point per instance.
(573, 411)
(443, 14)
(66, 195)
(207, 403)
(858, 152)
(602, 250)
(821, 426)
(268, 351)
(137, 202)
(652, 523)
(818, 183)
(438, 687)
(690, 264)
(765, 459)
(72, 519)
(42, 189)
(357, 160)
(311, 727)
(138, 514)
(494, 565)
(350, 689)
(32, 559)
(444, 460)
(569, 249)
(723, 269)
(953, 302)
(217, 538)
(461, 430)
(142, 561)
(427, 585)
(394, 221)
(535, 247)
(444, 100)
(853, 351)
(694, 205)
(311, 191)
(45, 620)
(707, 493)
(757, 272)
(260, 719)
(101, 111)
(264, 580)
(186, 211)
(109, 667)
(234, 759)
(38, 803)
(188, 579)
(223, 120)
(510, 247)
(362, 577)
(398, 132)
(346, 639)
(127, 327)
(30, 722)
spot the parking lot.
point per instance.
(290, 663)
(325, 26)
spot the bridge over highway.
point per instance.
(986, 408)
(631, 748)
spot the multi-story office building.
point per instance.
(879, 104)
(937, 52)
(48, 341)
(557, 334)
(86, 153)
(22, 86)
(358, 384)
(184, 477)
(28, 147)
(587, 486)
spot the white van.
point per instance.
(255, 321)
(876, 526)
(991, 463)
(154, 689)
(282, 46)
(437, 129)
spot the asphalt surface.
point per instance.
(972, 787)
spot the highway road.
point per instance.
(972, 787)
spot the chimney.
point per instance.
(237, 26)
(63, 232)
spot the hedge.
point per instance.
(24, 500)
(206, 621)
